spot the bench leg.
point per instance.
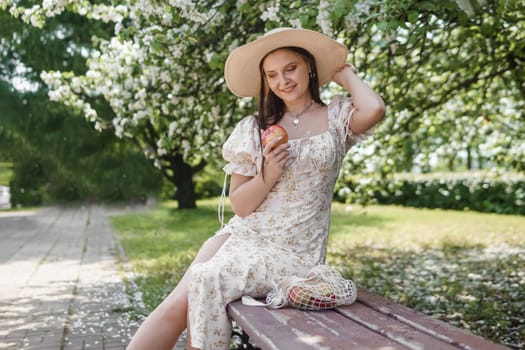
(243, 342)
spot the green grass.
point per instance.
(404, 227)
(465, 268)
(6, 170)
(162, 243)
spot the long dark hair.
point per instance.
(271, 107)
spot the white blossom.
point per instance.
(98, 126)
(89, 113)
(270, 14)
(323, 20)
(186, 146)
(296, 23)
(172, 128)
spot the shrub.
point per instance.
(209, 182)
(112, 176)
(27, 185)
(494, 192)
(207, 188)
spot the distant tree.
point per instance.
(452, 75)
(67, 153)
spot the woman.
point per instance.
(281, 195)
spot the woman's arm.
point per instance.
(248, 192)
(369, 106)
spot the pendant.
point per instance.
(295, 122)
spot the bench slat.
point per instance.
(265, 331)
(431, 326)
(339, 332)
(292, 329)
(392, 329)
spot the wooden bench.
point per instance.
(371, 323)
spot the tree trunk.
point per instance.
(185, 194)
(450, 164)
(480, 158)
(183, 180)
(469, 158)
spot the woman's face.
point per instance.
(287, 75)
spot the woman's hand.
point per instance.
(343, 73)
(369, 106)
(275, 159)
(248, 192)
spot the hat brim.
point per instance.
(241, 70)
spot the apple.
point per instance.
(326, 305)
(324, 289)
(326, 302)
(299, 296)
(304, 297)
(273, 132)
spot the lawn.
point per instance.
(5, 173)
(465, 268)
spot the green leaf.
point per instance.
(413, 16)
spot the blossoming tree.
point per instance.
(442, 69)
(161, 74)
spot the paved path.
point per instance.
(61, 283)
(4, 197)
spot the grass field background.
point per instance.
(465, 268)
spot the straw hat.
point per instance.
(241, 70)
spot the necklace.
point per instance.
(297, 115)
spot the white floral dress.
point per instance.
(286, 235)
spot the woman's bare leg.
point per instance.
(162, 328)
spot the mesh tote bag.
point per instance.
(323, 288)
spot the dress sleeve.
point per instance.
(341, 111)
(241, 150)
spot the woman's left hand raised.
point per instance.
(343, 73)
